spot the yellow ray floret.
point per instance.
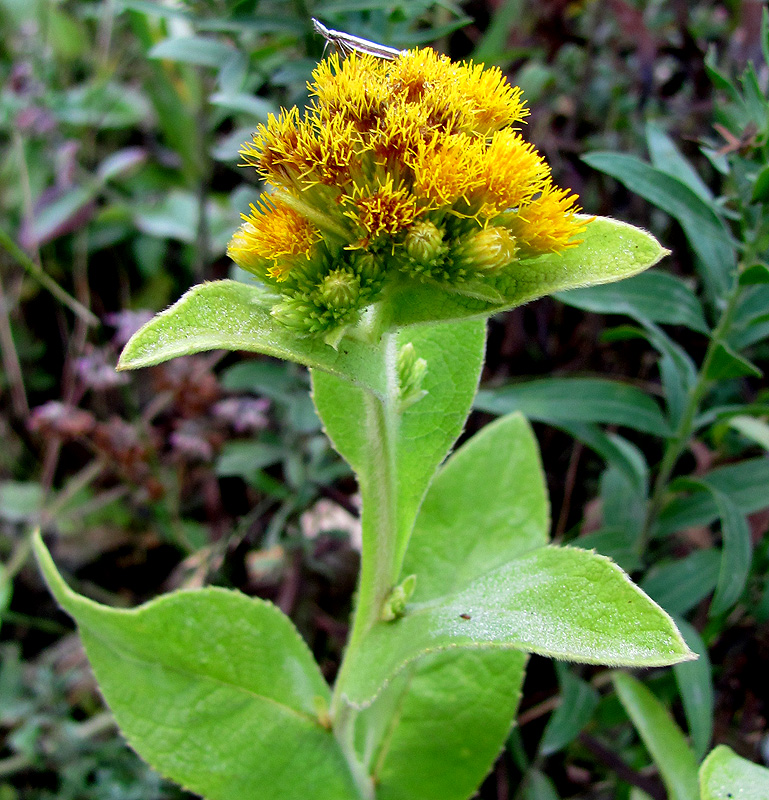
(548, 223)
(492, 103)
(447, 168)
(387, 210)
(353, 88)
(420, 72)
(270, 235)
(513, 172)
(298, 153)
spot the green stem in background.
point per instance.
(45, 281)
(380, 565)
(676, 446)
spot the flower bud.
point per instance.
(340, 289)
(424, 243)
(486, 250)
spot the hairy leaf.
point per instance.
(215, 690)
(559, 602)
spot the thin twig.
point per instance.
(623, 771)
(568, 490)
(11, 360)
(45, 281)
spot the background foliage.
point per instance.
(120, 122)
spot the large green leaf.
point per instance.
(662, 737)
(560, 602)
(486, 506)
(455, 708)
(655, 296)
(726, 776)
(557, 400)
(215, 690)
(235, 316)
(707, 233)
(452, 713)
(424, 431)
(609, 251)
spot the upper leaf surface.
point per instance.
(726, 776)
(560, 602)
(235, 316)
(449, 714)
(486, 506)
(609, 251)
(215, 690)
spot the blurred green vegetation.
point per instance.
(120, 123)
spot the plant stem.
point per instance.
(380, 564)
(45, 281)
(676, 446)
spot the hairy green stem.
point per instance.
(380, 564)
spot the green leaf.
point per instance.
(611, 449)
(609, 251)
(425, 431)
(726, 776)
(557, 400)
(695, 685)
(707, 233)
(680, 585)
(737, 549)
(727, 364)
(244, 458)
(453, 711)
(235, 316)
(755, 275)
(6, 592)
(666, 157)
(559, 602)
(746, 483)
(493, 484)
(537, 786)
(751, 428)
(578, 702)
(20, 501)
(617, 544)
(197, 50)
(662, 737)
(654, 296)
(761, 187)
(215, 690)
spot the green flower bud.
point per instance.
(486, 250)
(411, 373)
(340, 289)
(424, 243)
(395, 605)
(299, 314)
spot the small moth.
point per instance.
(346, 44)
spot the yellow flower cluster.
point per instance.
(402, 170)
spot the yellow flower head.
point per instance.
(401, 170)
(271, 236)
